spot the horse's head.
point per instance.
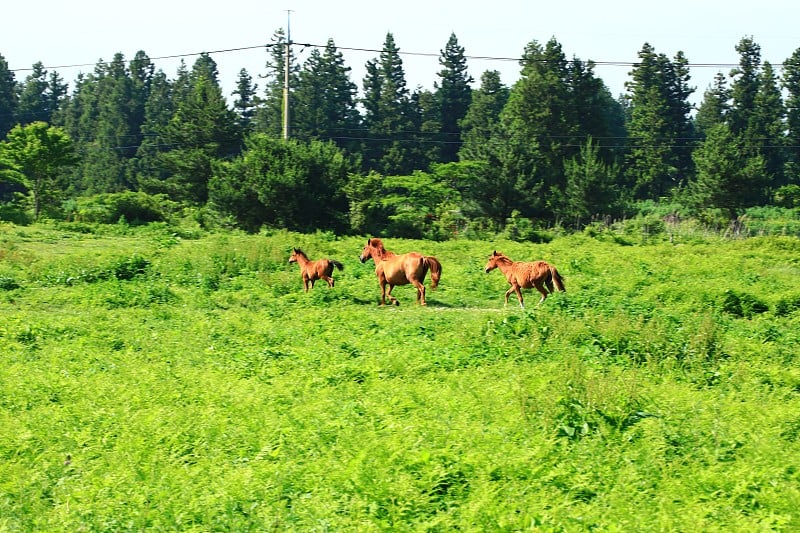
(295, 253)
(494, 261)
(371, 250)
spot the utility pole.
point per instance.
(287, 57)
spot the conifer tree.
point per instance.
(388, 114)
(246, 100)
(659, 130)
(201, 131)
(453, 96)
(8, 98)
(791, 82)
(324, 103)
(714, 108)
(34, 104)
(482, 116)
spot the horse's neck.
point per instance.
(506, 266)
(382, 253)
(302, 260)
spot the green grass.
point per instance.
(165, 382)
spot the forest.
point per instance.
(471, 157)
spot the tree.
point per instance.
(201, 130)
(591, 188)
(8, 98)
(246, 102)
(715, 105)
(288, 184)
(388, 117)
(324, 102)
(453, 95)
(745, 85)
(766, 130)
(791, 82)
(482, 116)
(158, 110)
(659, 130)
(34, 104)
(535, 131)
(727, 177)
(36, 152)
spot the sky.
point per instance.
(71, 37)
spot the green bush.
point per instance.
(131, 207)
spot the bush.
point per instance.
(134, 208)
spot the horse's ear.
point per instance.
(295, 250)
(494, 252)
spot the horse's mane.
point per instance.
(298, 251)
(501, 257)
(378, 245)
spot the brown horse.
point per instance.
(393, 269)
(522, 275)
(314, 270)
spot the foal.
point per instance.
(314, 270)
(522, 275)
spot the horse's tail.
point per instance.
(557, 279)
(436, 270)
(337, 264)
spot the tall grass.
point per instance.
(167, 382)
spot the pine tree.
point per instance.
(8, 98)
(388, 116)
(324, 102)
(745, 85)
(201, 131)
(791, 82)
(767, 127)
(482, 116)
(727, 177)
(534, 131)
(34, 104)
(246, 100)
(659, 130)
(453, 97)
(715, 106)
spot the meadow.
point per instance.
(174, 380)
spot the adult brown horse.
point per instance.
(523, 275)
(393, 269)
(314, 270)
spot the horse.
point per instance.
(314, 270)
(524, 275)
(393, 269)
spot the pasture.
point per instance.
(154, 379)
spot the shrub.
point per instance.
(133, 207)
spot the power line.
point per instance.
(628, 64)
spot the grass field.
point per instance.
(153, 379)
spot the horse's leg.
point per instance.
(508, 293)
(305, 282)
(518, 290)
(389, 294)
(420, 292)
(540, 287)
(383, 291)
(329, 280)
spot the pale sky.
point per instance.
(611, 33)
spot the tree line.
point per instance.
(553, 148)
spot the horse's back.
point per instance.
(402, 269)
(528, 274)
